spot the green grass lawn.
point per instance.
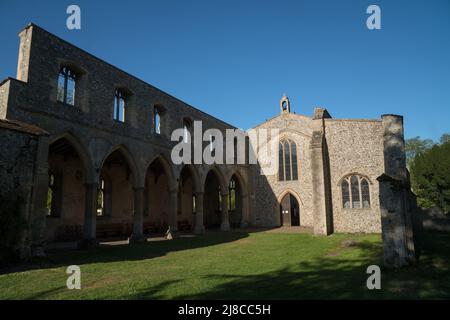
(237, 265)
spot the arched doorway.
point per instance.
(66, 192)
(212, 202)
(115, 197)
(289, 211)
(157, 197)
(186, 200)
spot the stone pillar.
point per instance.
(396, 222)
(138, 223)
(199, 225)
(245, 211)
(90, 215)
(225, 219)
(322, 215)
(172, 232)
(38, 207)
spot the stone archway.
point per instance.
(188, 186)
(238, 205)
(215, 201)
(289, 210)
(69, 168)
(115, 199)
(160, 214)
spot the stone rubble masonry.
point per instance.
(328, 151)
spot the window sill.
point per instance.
(68, 105)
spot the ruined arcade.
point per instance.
(97, 142)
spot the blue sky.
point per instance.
(234, 59)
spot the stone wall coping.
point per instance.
(31, 24)
(22, 127)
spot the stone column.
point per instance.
(245, 211)
(396, 222)
(199, 225)
(225, 219)
(38, 208)
(322, 215)
(172, 232)
(138, 224)
(90, 215)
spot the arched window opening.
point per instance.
(287, 161)
(187, 127)
(194, 207)
(345, 194)
(157, 121)
(356, 202)
(365, 193)
(294, 161)
(119, 106)
(212, 145)
(280, 162)
(355, 192)
(66, 86)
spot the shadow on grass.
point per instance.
(125, 252)
(338, 277)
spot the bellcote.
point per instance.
(285, 106)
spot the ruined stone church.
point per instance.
(86, 148)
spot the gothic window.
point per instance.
(187, 127)
(354, 185)
(345, 194)
(157, 121)
(119, 106)
(287, 158)
(365, 193)
(280, 162)
(355, 192)
(194, 207)
(212, 145)
(294, 161)
(66, 86)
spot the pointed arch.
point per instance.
(81, 151)
(219, 174)
(125, 152)
(194, 174)
(168, 169)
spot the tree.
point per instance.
(445, 138)
(415, 146)
(430, 177)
